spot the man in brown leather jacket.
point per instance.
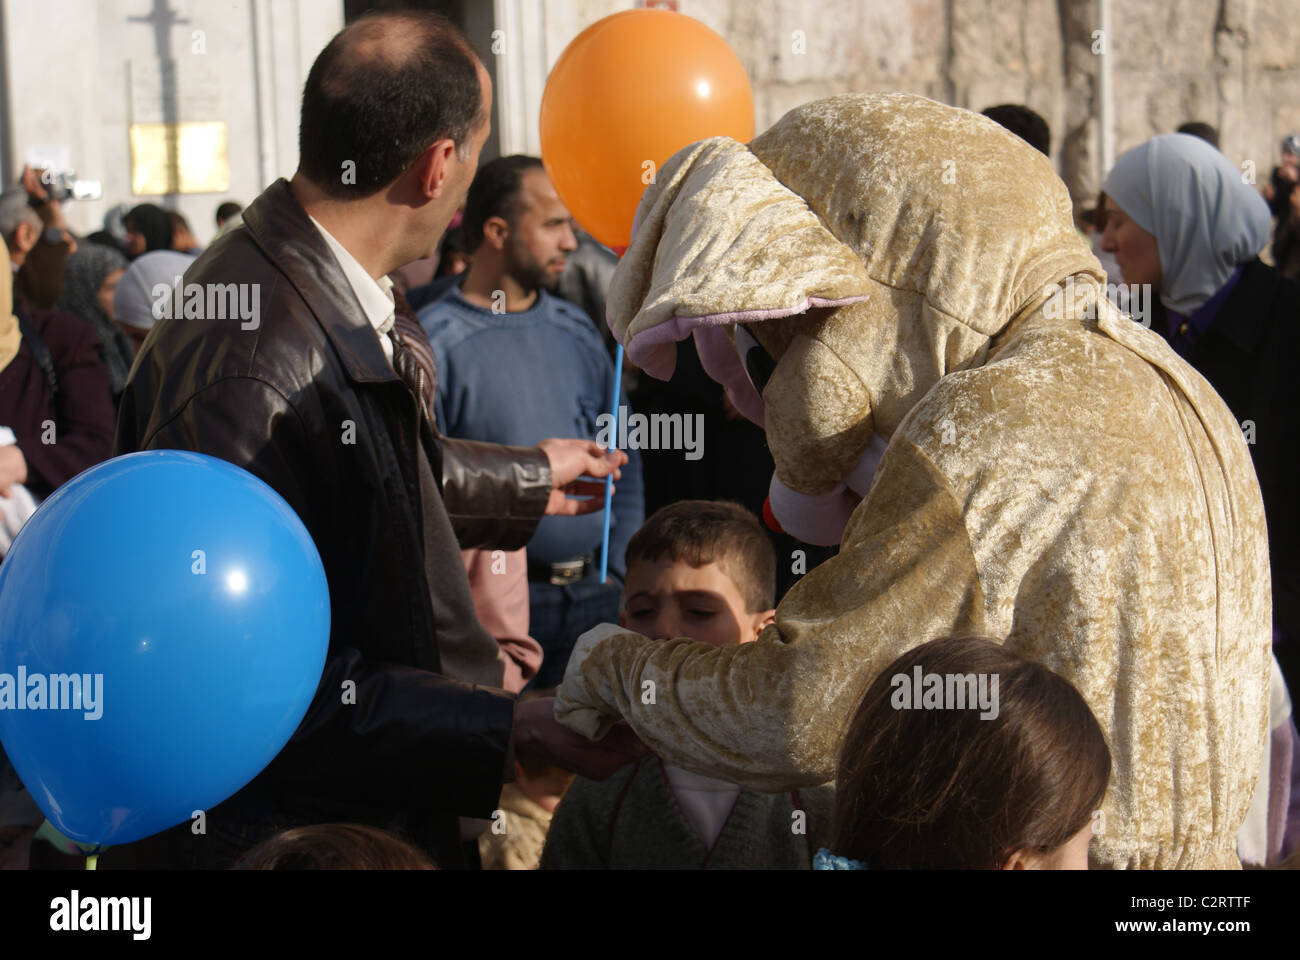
(313, 391)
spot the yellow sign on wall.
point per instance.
(179, 158)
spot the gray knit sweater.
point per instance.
(633, 821)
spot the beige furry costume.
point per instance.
(1055, 476)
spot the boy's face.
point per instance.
(668, 598)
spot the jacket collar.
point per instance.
(281, 228)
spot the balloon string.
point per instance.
(92, 862)
(609, 478)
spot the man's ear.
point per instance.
(495, 232)
(433, 168)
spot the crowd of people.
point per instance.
(530, 692)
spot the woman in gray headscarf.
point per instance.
(89, 279)
(1180, 217)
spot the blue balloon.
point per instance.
(189, 603)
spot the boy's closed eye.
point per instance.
(667, 599)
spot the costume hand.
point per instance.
(572, 459)
(539, 736)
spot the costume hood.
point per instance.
(870, 243)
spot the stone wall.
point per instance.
(68, 88)
(1231, 63)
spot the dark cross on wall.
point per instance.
(164, 18)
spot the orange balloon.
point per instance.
(629, 92)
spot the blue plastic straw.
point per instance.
(609, 479)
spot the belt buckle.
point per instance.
(567, 572)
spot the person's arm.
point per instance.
(494, 494)
(82, 432)
(769, 715)
(498, 585)
(405, 735)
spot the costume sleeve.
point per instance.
(770, 715)
(83, 419)
(406, 736)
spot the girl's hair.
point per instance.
(945, 788)
(335, 846)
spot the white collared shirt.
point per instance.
(376, 296)
(707, 802)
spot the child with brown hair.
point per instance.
(965, 755)
(335, 846)
(703, 570)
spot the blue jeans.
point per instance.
(558, 614)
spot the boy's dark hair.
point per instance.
(494, 193)
(385, 88)
(153, 223)
(1025, 124)
(335, 846)
(178, 220)
(1203, 130)
(227, 210)
(946, 789)
(712, 531)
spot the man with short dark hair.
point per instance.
(318, 395)
(516, 363)
(1026, 124)
(227, 211)
(1205, 131)
(229, 215)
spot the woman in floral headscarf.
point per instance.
(89, 280)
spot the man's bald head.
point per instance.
(383, 90)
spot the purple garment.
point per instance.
(1199, 321)
(1291, 830)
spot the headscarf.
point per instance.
(133, 301)
(153, 223)
(1190, 197)
(10, 337)
(82, 278)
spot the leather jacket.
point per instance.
(306, 400)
